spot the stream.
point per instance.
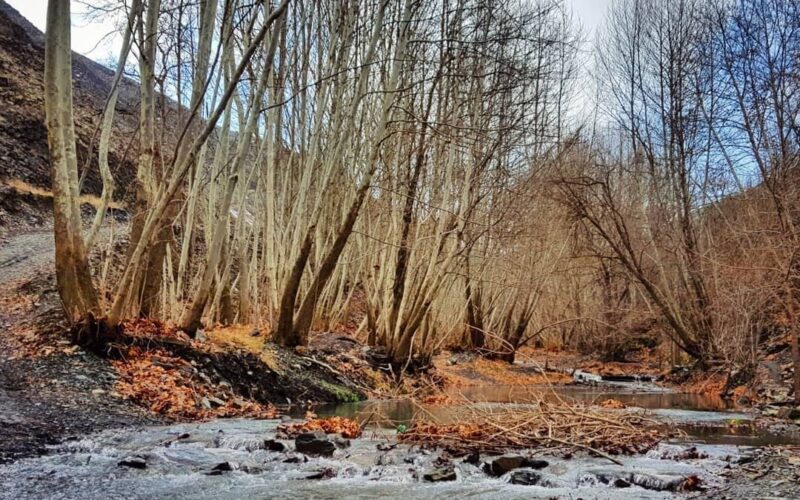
(230, 459)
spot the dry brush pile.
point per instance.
(542, 426)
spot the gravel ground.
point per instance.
(54, 396)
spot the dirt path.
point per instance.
(49, 390)
(23, 255)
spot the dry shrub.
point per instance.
(543, 426)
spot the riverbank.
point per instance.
(236, 458)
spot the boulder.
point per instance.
(506, 463)
(314, 443)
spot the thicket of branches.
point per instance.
(425, 174)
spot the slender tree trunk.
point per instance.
(73, 276)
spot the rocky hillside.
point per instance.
(24, 156)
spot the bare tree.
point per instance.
(72, 268)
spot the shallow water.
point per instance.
(704, 418)
(180, 467)
(181, 458)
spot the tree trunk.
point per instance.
(73, 276)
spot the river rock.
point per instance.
(133, 462)
(440, 474)
(325, 473)
(341, 442)
(314, 443)
(221, 467)
(473, 458)
(272, 445)
(614, 480)
(525, 477)
(505, 463)
(656, 483)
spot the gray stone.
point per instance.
(341, 442)
(133, 463)
(314, 443)
(440, 474)
(525, 477)
(506, 463)
(273, 445)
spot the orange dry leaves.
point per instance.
(482, 371)
(713, 383)
(164, 384)
(613, 404)
(346, 427)
(438, 399)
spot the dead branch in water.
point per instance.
(542, 426)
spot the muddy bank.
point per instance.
(45, 401)
(51, 390)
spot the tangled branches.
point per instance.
(543, 426)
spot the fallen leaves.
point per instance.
(705, 383)
(612, 404)
(166, 385)
(480, 371)
(440, 399)
(346, 427)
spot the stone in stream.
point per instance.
(525, 477)
(220, 468)
(665, 483)
(613, 480)
(440, 474)
(341, 442)
(314, 443)
(473, 458)
(649, 481)
(133, 463)
(325, 473)
(505, 463)
(273, 445)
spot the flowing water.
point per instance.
(706, 419)
(183, 460)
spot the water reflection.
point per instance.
(704, 418)
(634, 395)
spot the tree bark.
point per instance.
(73, 276)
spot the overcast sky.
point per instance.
(90, 39)
(93, 40)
